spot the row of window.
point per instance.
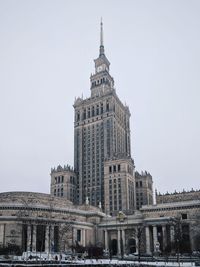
(101, 81)
(92, 111)
(139, 184)
(72, 180)
(114, 168)
(58, 192)
(59, 179)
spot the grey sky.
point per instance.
(46, 57)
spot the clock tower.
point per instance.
(102, 154)
(101, 81)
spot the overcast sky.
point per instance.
(46, 58)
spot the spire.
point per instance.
(101, 49)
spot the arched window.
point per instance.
(101, 108)
(78, 116)
(93, 111)
(89, 112)
(107, 106)
(84, 114)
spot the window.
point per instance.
(78, 116)
(84, 114)
(101, 108)
(78, 235)
(184, 216)
(107, 106)
(114, 168)
(119, 167)
(88, 112)
(110, 169)
(140, 183)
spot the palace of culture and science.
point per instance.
(101, 201)
(104, 171)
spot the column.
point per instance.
(106, 239)
(118, 243)
(164, 237)
(191, 233)
(2, 234)
(51, 238)
(28, 237)
(172, 234)
(136, 241)
(147, 234)
(47, 239)
(155, 237)
(34, 237)
(123, 240)
(73, 235)
(83, 237)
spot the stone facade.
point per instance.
(101, 131)
(104, 176)
(177, 196)
(40, 222)
(119, 185)
(167, 217)
(102, 141)
(144, 189)
(64, 183)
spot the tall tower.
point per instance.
(101, 132)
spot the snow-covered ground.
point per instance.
(115, 262)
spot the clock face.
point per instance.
(99, 68)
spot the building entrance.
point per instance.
(114, 246)
(131, 246)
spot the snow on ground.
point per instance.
(115, 261)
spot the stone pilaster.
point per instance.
(172, 234)
(147, 233)
(51, 238)
(83, 237)
(164, 236)
(34, 237)
(118, 242)
(47, 239)
(28, 237)
(136, 241)
(155, 237)
(106, 239)
(123, 240)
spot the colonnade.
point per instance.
(121, 240)
(49, 237)
(156, 240)
(31, 241)
(155, 237)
